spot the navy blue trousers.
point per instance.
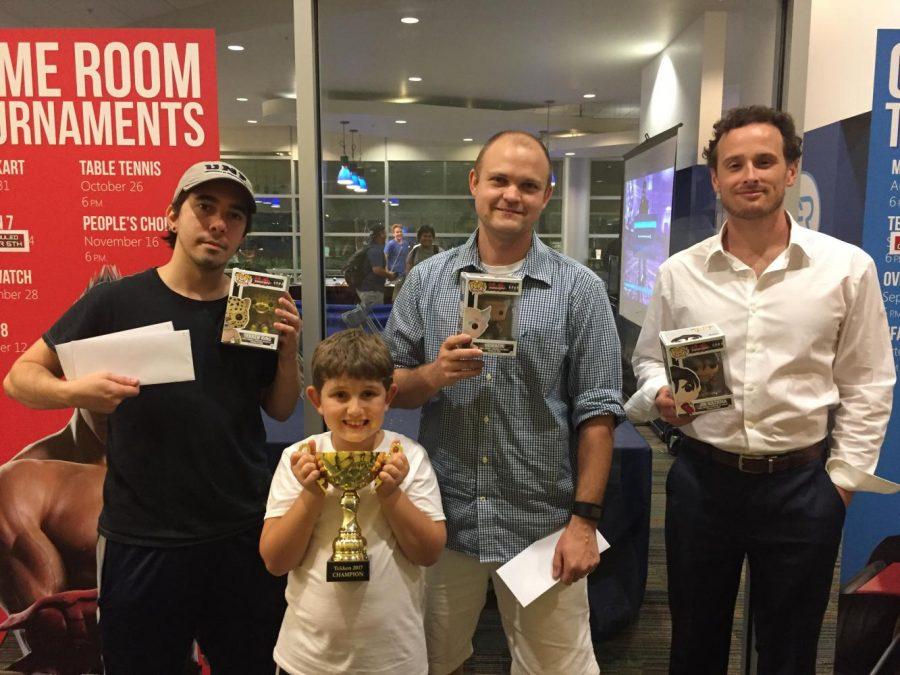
(154, 602)
(788, 525)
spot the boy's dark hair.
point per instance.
(425, 229)
(170, 237)
(352, 353)
(756, 114)
(680, 374)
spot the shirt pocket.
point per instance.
(541, 328)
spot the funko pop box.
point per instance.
(696, 366)
(486, 311)
(250, 313)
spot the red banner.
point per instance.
(96, 127)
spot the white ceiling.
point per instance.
(485, 64)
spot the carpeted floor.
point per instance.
(643, 646)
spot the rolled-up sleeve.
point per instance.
(595, 366)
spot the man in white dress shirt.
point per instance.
(811, 369)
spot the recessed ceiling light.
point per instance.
(242, 99)
(235, 48)
(399, 121)
(409, 20)
(252, 122)
(414, 79)
(589, 96)
(570, 154)
(467, 140)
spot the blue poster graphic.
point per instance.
(871, 517)
(881, 226)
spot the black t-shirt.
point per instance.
(186, 460)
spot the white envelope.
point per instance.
(64, 350)
(530, 574)
(153, 357)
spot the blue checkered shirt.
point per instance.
(504, 444)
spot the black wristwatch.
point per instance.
(588, 510)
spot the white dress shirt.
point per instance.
(809, 337)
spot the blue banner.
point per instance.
(881, 226)
(874, 517)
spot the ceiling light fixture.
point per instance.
(359, 184)
(468, 140)
(241, 99)
(570, 154)
(414, 79)
(589, 96)
(409, 20)
(235, 48)
(252, 122)
(399, 121)
(344, 176)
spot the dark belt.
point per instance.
(754, 463)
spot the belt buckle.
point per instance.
(770, 464)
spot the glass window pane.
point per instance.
(429, 178)
(353, 215)
(605, 216)
(446, 216)
(266, 254)
(551, 219)
(273, 214)
(607, 178)
(269, 176)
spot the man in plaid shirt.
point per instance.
(521, 446)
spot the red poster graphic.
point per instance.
(96, 127)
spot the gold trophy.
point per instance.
(349, 470)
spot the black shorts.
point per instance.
(154, 602)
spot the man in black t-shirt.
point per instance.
(186, 484)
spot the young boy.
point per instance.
(373, 626)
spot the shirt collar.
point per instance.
(799, 239)
(537, 261)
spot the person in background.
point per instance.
(811, 369)
(396, 251)
(371, 289)
(424, 249)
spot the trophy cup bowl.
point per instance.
(350, 471)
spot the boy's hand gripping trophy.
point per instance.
(349, 470)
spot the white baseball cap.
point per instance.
(203, 172)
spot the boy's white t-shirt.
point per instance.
(363, 627)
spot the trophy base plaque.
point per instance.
(347, 571)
